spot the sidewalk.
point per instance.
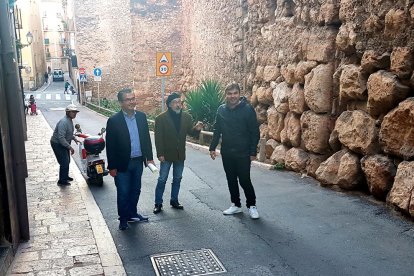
(69, 236)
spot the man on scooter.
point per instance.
(60, 142)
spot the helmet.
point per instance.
(71, 107)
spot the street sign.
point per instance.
(163, 64)
(82, 78)
(82, 71)
(97, 74)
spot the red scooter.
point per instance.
(89, 151)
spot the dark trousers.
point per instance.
(128, 188)
(63, 157)
(238, 170)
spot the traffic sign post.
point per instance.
(97, 73)
(163, 69)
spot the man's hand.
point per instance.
(150, 162)
(72, 151)
(213, 154)
(113, 172)
(253, 158)
(76, 141)
(161, 158)
(199, 126)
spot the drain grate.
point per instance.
(186, 263)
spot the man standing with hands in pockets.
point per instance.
(128, 148)
(171, 129)
(237, 125)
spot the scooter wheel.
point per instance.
(98, 181)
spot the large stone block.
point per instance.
(264, 131)
(346, 38)
(385, 91)
(353, 84)
(271, 73)
(288, 73)
(401, 194)
(302, 69)
(316, 130)
(278, 155)
(402, 62)
(291, 133)
(318, 88)
(259, 73)
(297, 103)
(271, 144)
(261, 113)
(358, 132)
(296, 159)
(281, 97)
(396, 134)
(276, 123)
(329, 13)
(314, 162)
(379, 172)
(395, 21)
(342, 168)
(320, 45)
(264, 95)
(372, 61)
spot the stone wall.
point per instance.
(331, 82)
(104, 39)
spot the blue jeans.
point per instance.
(178, 167)
(128, 188)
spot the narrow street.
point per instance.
(304, 229)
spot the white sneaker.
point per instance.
(253, 212)
(232, 210)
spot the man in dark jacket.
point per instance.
(128, 148)
(171, 129)
(236, 124)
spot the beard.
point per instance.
(177, 111)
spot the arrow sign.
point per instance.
(163, 59)
(97, 72)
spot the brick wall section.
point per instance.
(104, 39)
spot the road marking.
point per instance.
(57, 108)
(57, 96)
(48, 96)
(38, 96)
(68, 97)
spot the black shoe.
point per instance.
(176, 205)
(123, 225)
(63, 183)
(157, 208)
(70, 178)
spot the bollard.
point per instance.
(262, 150)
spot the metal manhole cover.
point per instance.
(186, 263)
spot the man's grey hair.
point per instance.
(121, 93)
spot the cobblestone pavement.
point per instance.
(68, 233)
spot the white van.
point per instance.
(58, 75)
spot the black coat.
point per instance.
(118, 143)
(238, 129)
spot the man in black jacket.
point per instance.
(128, 148)
(236, 124)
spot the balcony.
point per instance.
(62, 41)
(48, 56)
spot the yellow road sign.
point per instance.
(163, 64)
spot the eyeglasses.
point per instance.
(129, 100)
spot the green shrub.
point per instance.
(202, 103)
(279, 166)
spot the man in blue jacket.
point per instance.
(237, 125)
(128, 149)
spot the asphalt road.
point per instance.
(304, 229)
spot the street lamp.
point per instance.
(29, 37)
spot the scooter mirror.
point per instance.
(77, 126)
(103, 130)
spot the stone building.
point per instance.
(331, 81)
(33, 57)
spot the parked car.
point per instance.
(58, 75)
